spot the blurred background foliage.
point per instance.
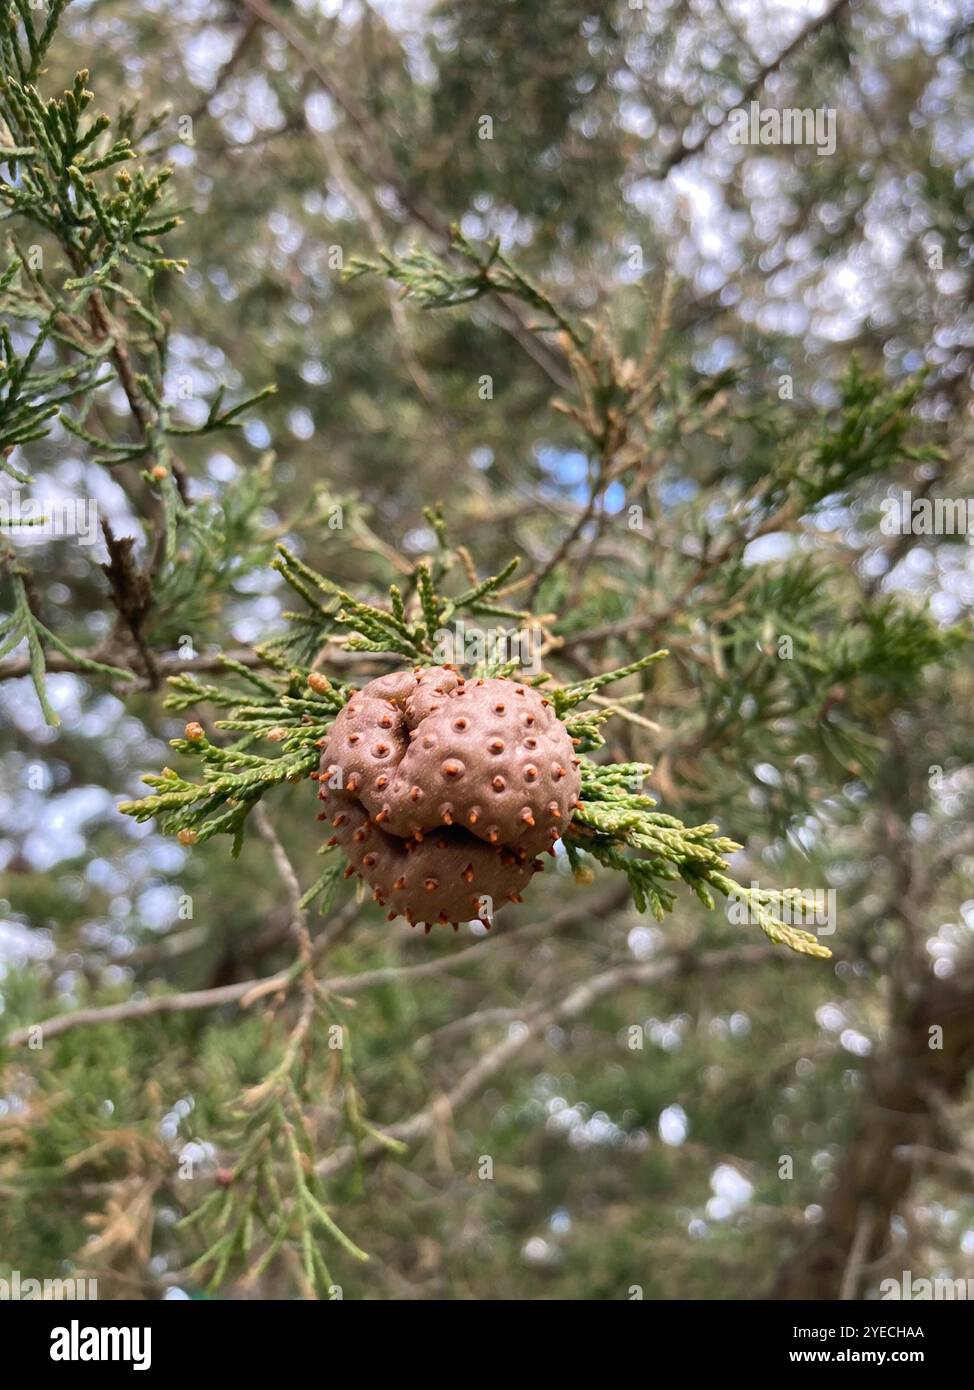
(722, 1118)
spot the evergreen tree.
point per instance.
(315, 269)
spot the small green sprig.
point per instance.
(868, 435)
(333, 614)
(292, 711)
(23, 625)
(613, 816)
(272, 1200)
(438, 282)
(567, 698)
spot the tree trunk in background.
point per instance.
(873, 1182)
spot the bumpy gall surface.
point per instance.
(442, 791)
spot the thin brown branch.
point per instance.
(571, 1006)
(211, 663)
(852, 1274)
(288, 876)
(380, 169)
(239, 990)
(684, 152)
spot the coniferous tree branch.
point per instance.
(64, 177)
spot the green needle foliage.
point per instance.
(272, 1199)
